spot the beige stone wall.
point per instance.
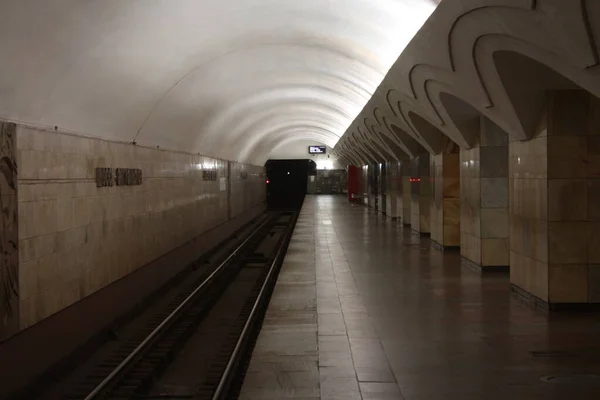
(555, 203)
(404, 201)
(392, 190)
(528, 215)
(470, 207)
(445, 204)
(420, 194)
(75, 238)
(484, 202)
(247, 187)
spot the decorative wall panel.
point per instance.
(9, 252)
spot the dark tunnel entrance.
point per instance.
(286, 182)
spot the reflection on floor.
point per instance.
(365, 310)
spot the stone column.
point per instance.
(445, 204)
(484, 200)
(555, 205)
(372, 188)
(420, 188)
(392, 185)
(404, 192)
(365, 185)
(381, 187)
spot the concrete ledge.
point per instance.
(560, 307)
(35, 352)
(442, 248)
(500, 269)
(421, 234)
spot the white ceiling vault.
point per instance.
(235, 79)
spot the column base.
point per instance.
(502, 269)
(560, 307)
(442, 248)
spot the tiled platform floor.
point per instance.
(365, 310)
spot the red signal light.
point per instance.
(267, 181)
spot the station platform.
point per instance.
(364, 309)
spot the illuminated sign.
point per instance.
(317, 149)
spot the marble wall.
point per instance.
(484, 198)
(445, 204)
(9, 267)
(392, 180)
(366, 186)
(381, 177)
(372, 187)
(404, 199)
(246, 187)
(555, 203)
(420, 190)
(76, 238)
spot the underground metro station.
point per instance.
(351, 199)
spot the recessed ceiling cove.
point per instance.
(235, 79)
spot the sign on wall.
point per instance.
(128, 176)
(209, 175)
(106, 177)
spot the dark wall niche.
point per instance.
(106, 177)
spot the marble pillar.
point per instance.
(404, 191)
(420, 189)
(392, 186)
(382, 187)
(554, 207)
(484, 200)
(365, 188)
(445, 204)
(373, 190)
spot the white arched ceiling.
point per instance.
(494, 58)
(237, 79)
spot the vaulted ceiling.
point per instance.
(237, 79)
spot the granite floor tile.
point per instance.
(365, 310)
(380, 391)
(335, 388)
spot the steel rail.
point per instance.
(247, 326)
(102, 385)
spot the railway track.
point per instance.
(194, 345)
